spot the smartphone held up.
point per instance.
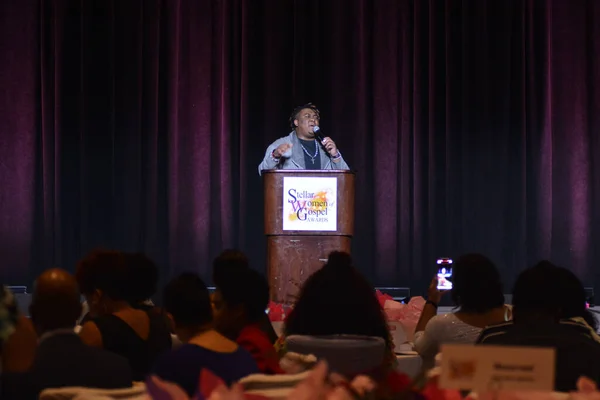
(444, 274)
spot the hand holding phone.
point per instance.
(444, 274)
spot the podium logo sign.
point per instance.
(309, 204)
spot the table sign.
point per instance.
(309, 204)
(493, 368)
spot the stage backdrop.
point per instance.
(139, 124)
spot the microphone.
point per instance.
(318, 134)
(320, 138)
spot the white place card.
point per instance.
(492, 368)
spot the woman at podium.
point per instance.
(305, 147)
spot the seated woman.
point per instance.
(477, 292)
(143, 277)
(138, 335)
(573, 308)
(239, 305)
(544, 319)
(186, 298)
(338, 300)
(229, 263)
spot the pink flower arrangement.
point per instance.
(278, 312)
(320, 384)
(402, 318)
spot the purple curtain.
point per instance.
(138, 124)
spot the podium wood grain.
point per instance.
(292, 256)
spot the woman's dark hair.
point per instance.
(546, 289)
(337, 299)
(143, 277)
(296, 111)
(104, 270)
(476, 284)
(247, 288)
(530, 293)
(187, 299)
(229, 262)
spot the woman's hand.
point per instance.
(433, 293)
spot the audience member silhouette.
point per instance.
(186, 298)
(549, 308)
(227, 266)
(335, 300)
(137, 335)
(62, 359)
(239, 305)
(478, 294)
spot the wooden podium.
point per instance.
(300, 209)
